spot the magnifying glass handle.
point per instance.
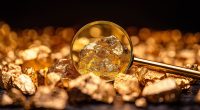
(168, 68)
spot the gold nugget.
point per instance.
(51, 98)
(165, 90)
(127, 86)
(107, 56)
(24, 83)
(92, 86)
(147, 76)
(141, 102)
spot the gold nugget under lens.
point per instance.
(99, 47)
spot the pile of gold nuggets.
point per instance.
(36, 70)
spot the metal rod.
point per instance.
(169, 68)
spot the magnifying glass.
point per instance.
(105, 49)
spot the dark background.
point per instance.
(159, 14)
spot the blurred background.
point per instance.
(156, 14)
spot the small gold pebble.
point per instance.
(141, 102)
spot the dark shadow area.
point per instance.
(167, 14)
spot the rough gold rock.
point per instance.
(38, 52)
(65, 68)
(105, 57)
(147, 76)
(92, 86)
(49, 98)
(127, 86)
(53, 78)
(24, 83)
(165, 90)
(182, 81)
(141, 102)
(32, 74)
(80, 43)
(6, 73)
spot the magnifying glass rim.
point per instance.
(101, 22)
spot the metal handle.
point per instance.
(168, 68)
